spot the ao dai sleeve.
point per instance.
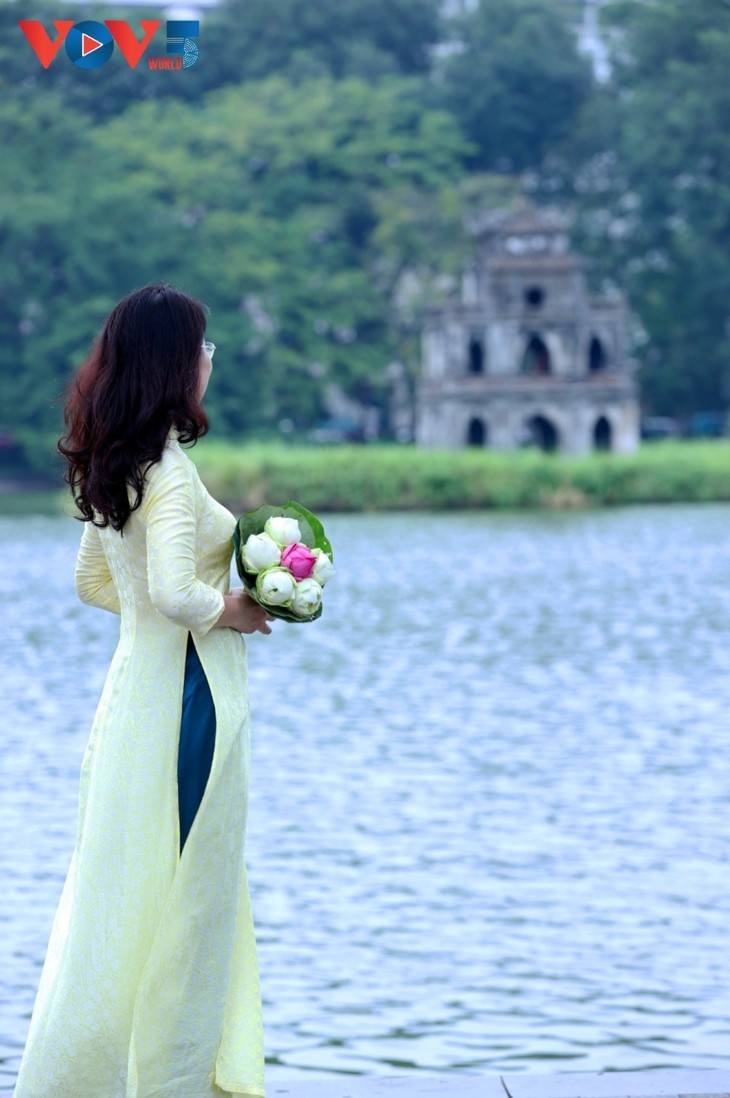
(169, 513)
(94, 583)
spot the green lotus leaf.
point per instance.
(253, 522)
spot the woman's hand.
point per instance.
(243, 614)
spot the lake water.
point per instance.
(489, 824)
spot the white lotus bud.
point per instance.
(307, 598)
(275, 586)
(323, 569)
(283, 530)
(259, 552)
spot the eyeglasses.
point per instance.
(209, 347)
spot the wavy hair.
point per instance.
(139, 381)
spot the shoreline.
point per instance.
(653, 1083)
(391, 478)
(369, 479)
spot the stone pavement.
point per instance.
(612, 1084)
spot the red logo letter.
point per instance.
(44, 49)
(123, 35)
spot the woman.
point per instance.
(150, 984)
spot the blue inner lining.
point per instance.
(197, 740)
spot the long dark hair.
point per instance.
(140, 379)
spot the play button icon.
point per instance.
(89, 44)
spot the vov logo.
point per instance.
(90, 44)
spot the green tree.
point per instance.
(655, 198)
(295, 212)
(285, 201)
(240, 40)
(45, 147)
(517, 83)
(252, 39)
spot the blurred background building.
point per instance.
(528, 355)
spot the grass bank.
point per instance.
(389, 478)
(381, 478)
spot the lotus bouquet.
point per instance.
(284, 560)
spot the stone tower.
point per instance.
(527, 355)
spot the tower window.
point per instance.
(536, 359)
(534, 296)
(596, 355)
(476, 355)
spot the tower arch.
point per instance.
(543, 433)
(602, 434)
(477, 432)
(536, 357)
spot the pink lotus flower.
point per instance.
(299, 559)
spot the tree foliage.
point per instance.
(241, 40)
(253, 39)
(293, 212)
(517, 82)
(655, 199)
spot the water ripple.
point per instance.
(489, 796)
